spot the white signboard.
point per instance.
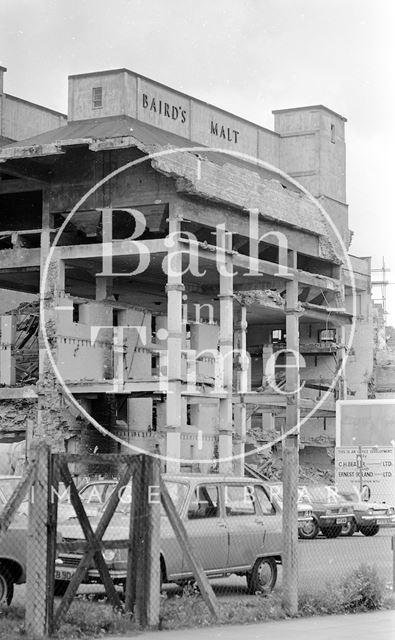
(367, 468)
(365, 423)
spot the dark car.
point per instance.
(13, 542)
(305, 513)
(368, 516)
(330, 511)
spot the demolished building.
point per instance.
(139, 334)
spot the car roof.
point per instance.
(189, 476)
(199, 477)
(104, 481)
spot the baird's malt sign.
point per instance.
(161, 107)
(198, 121)
(226, 133)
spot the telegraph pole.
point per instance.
(383, 284)
(291, 452)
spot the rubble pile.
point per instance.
(272, 468)
(259, 296)
(14, 414)
(26, 309)
(26, 346)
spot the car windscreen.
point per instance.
(349, 497)
(275, 492)
(177, 491)
(7, 487)
(319, 493)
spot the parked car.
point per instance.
(13, 543)
(330, 512)
(93, 495)
(368, 516)
(305, 512)
(232, 524)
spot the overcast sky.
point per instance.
(246, 56)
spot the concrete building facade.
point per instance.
(21, 119)
(175, 342)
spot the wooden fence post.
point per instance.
(143, 571)
(41, 542)
(53, 489)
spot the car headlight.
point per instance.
(109, 555)
(370, 512)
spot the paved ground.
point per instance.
(379, 625)
(322, 560)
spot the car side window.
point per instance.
(204, 502)
(264, 502)
(239, 500)
(93, 494)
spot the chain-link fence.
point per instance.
(133, 534)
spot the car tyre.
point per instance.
(310, 530)
(60, 587)
(6, 586)
(349, 528)
(263, 576)
(331, 532)
(371, 530)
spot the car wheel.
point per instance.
(263, 576)
(331, 532)
(310, 530)
(60, 587)
(6, 586)
(371, 530)
(349, 528)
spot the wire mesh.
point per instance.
(233, 528)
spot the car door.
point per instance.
(245, 524)
(170, 547)
(272, 520)
(206, 528)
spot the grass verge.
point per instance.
(360, 590)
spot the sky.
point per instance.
(246, 56)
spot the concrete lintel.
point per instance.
(19, 258)
(18, 393)
(272, 269)
(31, 151)
(120, 142)
(118, 248)
(74, 142)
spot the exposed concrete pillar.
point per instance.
(139, 414)
(342, 383)
(268, 422)
(50, 426)
(240, 411)
(7, 358)
(226, 350)
(103, 287)
(174, 291)
(291, 452)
